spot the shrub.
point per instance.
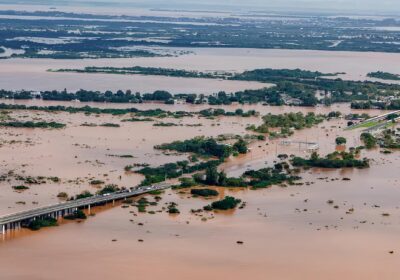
(20, 188)
(204, 192)
(227, 203)
(340, 141)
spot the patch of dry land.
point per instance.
(330, 224)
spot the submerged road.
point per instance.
(12, 221)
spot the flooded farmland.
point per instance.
(278, 226)
(36, 77)
(32, 74)
(254, 212)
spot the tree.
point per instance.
(222, 178)
(240, 146)
(314, 156)
(191, 98)
(161, 95)
(227, 203)
(340, 141)
(239, 112)
(369, 140)
(212, 175)
(278, 166)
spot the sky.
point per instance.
(326, 6)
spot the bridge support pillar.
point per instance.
(3, 230)
(89, 209)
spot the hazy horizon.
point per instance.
(322, 6)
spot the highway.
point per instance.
(380, 117)
(381, 125)
(14, 220)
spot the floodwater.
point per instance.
(111, 20)
(288, 233)
(32, 74)
(79, 154)
(344, 108)
(116, 10)
(31, 77)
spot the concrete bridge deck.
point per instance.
(380, 126)
(377, 118)
(15, 220)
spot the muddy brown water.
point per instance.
(31, 74)
(287, 233)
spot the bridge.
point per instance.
(16, 220)
(382, 125)
(370, 120)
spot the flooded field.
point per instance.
(281, 228)
(79, 154)
(326, 227)
(105, 10)
(344, 108)
(317, 243)
(37, 78)
(31, 74)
